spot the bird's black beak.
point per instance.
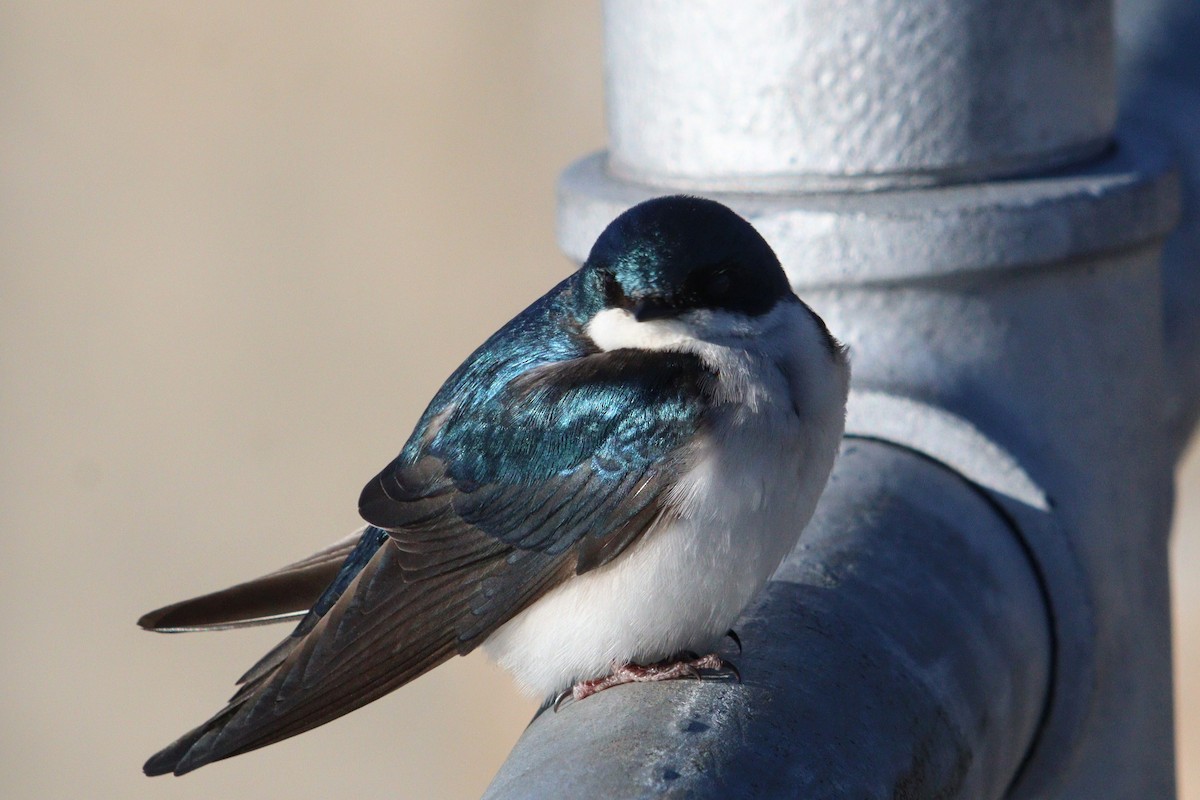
(652, 308)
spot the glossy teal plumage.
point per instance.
(537, 399)
(538, 438)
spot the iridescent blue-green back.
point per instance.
(494, 422)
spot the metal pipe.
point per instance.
(778, 96)
(1012, 331)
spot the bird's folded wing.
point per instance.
(570, 455)
(383, 631)
(497, 508)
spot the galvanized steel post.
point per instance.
(979, 608)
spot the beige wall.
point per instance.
(242, 245)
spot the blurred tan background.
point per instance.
(243, 243)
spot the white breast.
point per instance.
(752, 490)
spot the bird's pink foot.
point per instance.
(698, 667)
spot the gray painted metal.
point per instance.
(860, 238)
(980, 607)
(804, 95)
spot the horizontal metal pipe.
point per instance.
(903, 650)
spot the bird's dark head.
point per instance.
(672, 255)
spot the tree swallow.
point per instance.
(594, 496)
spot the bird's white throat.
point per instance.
(743, 351)
(616, 328)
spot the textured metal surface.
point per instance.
(885, 237)
(948, 439)
(1014, 331)
(1064, 368)
(765, 95)
(916, 630)
(957, 444)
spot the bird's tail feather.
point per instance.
(283, 595)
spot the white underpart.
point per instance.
(752, 490)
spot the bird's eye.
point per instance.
(614, 295)
(718, 283)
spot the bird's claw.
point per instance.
(693, 666)
(562, 698)
(729, 666)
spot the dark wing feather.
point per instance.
(567, 451)
(362, 554)
(382, 632)
(493, 506)
(286, 594)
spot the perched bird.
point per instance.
(594, 496)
